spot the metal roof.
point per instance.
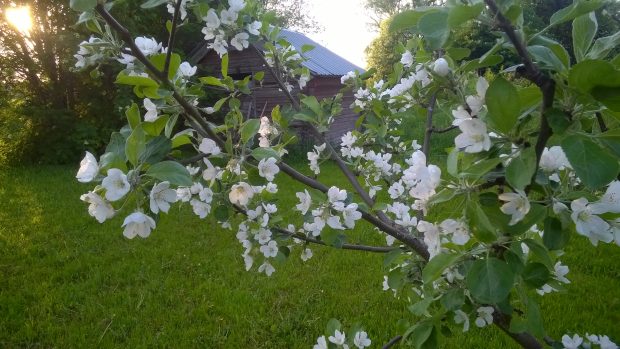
(320, 60)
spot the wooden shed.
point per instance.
(326, 69)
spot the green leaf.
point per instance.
(576, 9)
(536, 274)
(546, 58)
(135, 145)
(264, 153)
(225, 65)
(222, 213)
(306, 48)
(554, 237)
(434, 27)
(133, 116)
(584, 30)
(603, 46)
(488, 61)
(503, 104)
(124, 79)
(453, 299)
(437, 265)
(82, 5)
(314, 105)
(609, 96)
(481, 168)
(458, 53)
(249, 129)
(154, 128)
(407, 19)
(213, 81)
(159, 61)
(112, 160)
(460, 14)
(332, 326)
(170, 171)
(482, 228)
(259, 76)
(594, 166)
(490, 280)
(421, 307)
(153, 3)
(558, 120)
(534, 319)
(419, 333)
(591, 73)
(116, 145)
(520, 170)
(304, 117)
(180, 139)
(540, 252)
(156, 150)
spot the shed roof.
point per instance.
(321, 61)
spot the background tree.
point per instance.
(292, 14)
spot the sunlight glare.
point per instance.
(19, 17)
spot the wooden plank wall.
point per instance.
(269, 95)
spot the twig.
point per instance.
(444, 130)
(601, 122)
(172, 36)
(392, 342)
(429, 126)
(376, 249)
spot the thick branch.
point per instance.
(532, 73)
(524, 339)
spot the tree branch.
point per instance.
(375, 249)
(194, 116)
(172, 36)
(429, 126)
(392, 342)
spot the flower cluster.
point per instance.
(335, 213)
(577, 342)
(228, 23)
(339, 339)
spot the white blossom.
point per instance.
(209, 147)
(485, 316)
(571, 343)
(219, 45)
(267, 268)
(206, 195)
(148, 46)
(236, 5)
(458, 230)
(553, 159)
(139, 224)
(610, 201)
(441, 67)
(315, 227)
(460, 115)
(263, 236)
(334, 195)
(587, 223)
(474, 137)
(248, 261)
(88, 169)
(98, 208)
(361, 340)
(115, 184)
(241, 193)
(228, 17)
(254, 27)
(186, 70)
(306, 254)
(267, 168)
(407, 59)
(305, 200)
(161, 197)
(321, 343)
(338, 338)
(461, 317)
(431, 237)
(334, 223)
(182, 9)
(201, 209)
(151, 110)
(270, 249)
(240, 41)
(517, 205)
(184, 194)
(348, 76)
(350, 214)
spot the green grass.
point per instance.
(68, 282)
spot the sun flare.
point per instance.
(19, 17)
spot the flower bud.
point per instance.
(441, 67)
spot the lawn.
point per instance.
(69, 282)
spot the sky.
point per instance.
(346, 28)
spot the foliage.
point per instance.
(464, 244)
